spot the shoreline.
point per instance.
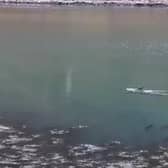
(57, 3)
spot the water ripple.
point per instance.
(28, 150)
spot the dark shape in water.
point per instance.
(140, 88)
(148, 127)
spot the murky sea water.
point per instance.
(67, 69)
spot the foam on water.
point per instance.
(47, 149)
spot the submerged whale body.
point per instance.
(148, 127)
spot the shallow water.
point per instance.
(69, 66)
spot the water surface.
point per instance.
(68, 66)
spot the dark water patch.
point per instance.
(148, 127)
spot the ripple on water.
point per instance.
(51, 150)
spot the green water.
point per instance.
(69, 66)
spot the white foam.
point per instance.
(8, 161)
(59, 158)
(84, 149)
(125, 155)
(80, 127)
(13, 139)
(59, 132)
(121, 164)
(36, 136)
(27, 148)
(155, 157)
(29, 166)
(57, 141)
(92, 148)
(5, 129)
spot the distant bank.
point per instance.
(139, 3)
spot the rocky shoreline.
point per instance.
(136, 3)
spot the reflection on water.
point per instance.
(20, 146)
(87, 56)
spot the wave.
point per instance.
(21, 147)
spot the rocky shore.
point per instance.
(139, 3)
